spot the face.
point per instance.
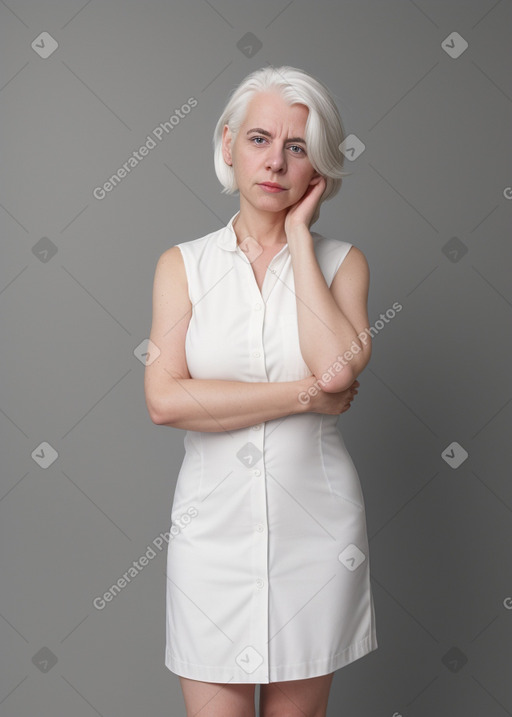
(278, 154)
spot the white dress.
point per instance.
(268, 571)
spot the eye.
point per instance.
(295, 146)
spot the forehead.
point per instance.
(270, 111)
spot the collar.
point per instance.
(227, 237)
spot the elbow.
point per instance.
(155, 418)
(346, 376)
(167, 414)
(160, 419)
(155, 413)
(342, 373)
(161, 402)
(164, 418)
(334, 382)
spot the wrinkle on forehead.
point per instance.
(266, 109)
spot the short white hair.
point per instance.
(324, 130)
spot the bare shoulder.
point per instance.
(353, 268)
(350, 288)
(172, 310)
(170, 262)
(355, 259)
(171, 277)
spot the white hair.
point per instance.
(324, 130)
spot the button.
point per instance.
(259, 527)
(257, 307)
(256, 427)
(256, 472)
(259, 583)
(256, 354)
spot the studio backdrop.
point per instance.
(108, 110)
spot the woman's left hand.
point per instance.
(301, 213)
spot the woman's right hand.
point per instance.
(317, 401)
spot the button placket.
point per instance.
(259, 499)
(256, 475)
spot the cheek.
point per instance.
(245, 166)
(302, 185)
(303, 177)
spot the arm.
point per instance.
(215, 405)
(173, 398)
(332, 321)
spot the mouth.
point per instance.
(272, 187)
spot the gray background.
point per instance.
(436, 167)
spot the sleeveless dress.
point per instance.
(268, 574)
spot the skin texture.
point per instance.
(263, 215)
(296, 698)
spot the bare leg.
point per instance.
(296, 698)
(217, 699)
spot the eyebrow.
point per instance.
(267, 134)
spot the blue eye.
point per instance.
(296, 146)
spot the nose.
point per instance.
(275, 159)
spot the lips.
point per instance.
(272, 184)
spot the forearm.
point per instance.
(217, 405)
(325, 333)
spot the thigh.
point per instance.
(303, 698)
(217, 699)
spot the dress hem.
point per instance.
(281, 673)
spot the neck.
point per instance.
(267, 228)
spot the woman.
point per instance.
(261, 331)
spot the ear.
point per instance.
(227, 139)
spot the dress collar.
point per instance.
(227, 237)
